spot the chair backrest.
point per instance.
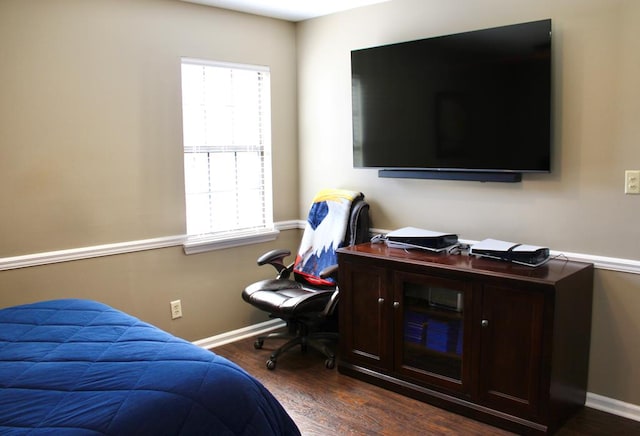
(337, 218)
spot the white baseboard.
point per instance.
(599, 262)
(36, 259)
(615, 407)
(46, 258)
(594, 401)
(243, 333)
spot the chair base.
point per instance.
(315, 340)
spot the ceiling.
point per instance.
(290, 10)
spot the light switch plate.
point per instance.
(632, 182)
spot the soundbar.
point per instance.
(475, 176)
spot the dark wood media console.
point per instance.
(499, 342)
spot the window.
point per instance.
(227, 154)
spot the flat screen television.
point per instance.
(473, 105)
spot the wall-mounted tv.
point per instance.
(473, 105)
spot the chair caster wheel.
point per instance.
(258, 344)
(271, 364)
(330, 363)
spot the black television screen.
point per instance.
(475, 102)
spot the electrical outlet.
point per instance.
(176, 309)
(632, 182)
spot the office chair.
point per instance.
(305, 293)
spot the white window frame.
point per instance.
(237, 234)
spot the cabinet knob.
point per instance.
(396, 304)
(485, 323)
(380, 301)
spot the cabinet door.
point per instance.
(365, 315)
(432, 339)
(511, 329)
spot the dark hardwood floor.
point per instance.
(325, 402)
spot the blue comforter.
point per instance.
(81, 367)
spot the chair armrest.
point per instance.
(330, 271)
(275, 258)
(331, 305)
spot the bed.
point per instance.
(81, 367)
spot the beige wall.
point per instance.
(143, 284)
(614, 365)
(579, 208)
(91, 153)
(90, 150)
(90, 115)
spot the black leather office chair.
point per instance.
(305, 293)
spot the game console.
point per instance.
(530, 255)
(412, 237)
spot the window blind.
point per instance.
(227, 147)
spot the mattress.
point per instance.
(81, 367)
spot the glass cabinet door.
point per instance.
(430, 337)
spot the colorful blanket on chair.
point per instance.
(324, 233)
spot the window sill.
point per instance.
(202, 244)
